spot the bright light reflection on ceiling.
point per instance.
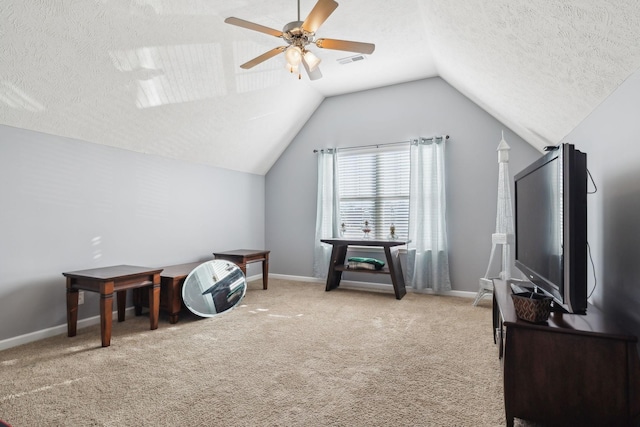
(17, 99)
(173, 74)
(267, 74)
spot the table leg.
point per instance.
(154, 304)
(243, 268)
(265, 271)
(138, 301)
(72, 309)
(393, 261)
(174, 294)
(121, 298)
(338, 255)
(106, 308)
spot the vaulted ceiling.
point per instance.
(163, 76)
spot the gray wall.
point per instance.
(71, 205)
(396, 113)
(611, 138)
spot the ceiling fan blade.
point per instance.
(257, 60)
(252, 26)
(347, 45)
(313, 75)
(319, 14)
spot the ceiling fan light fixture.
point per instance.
(293, 56)
(298, 35)
(311, 60)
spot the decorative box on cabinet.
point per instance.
(571, 370)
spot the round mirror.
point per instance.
(213, 287)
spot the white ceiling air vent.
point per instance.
(350, 59)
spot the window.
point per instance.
(374, 186)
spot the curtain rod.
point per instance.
(383, 145)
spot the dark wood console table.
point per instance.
(572, 370)
(392, 267)
(106, 281)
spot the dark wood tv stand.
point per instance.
(572, 370)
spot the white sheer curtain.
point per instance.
(327, 211)
(427, 257)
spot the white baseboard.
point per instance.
(254, 277)
(90, 321)
(352, 284)
(297, 278)
(55, 330)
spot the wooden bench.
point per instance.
(171, 280)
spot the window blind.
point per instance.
(374, 186)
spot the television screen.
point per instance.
(539, 227)
(550, 226)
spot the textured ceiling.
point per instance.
(163, 76)
(538, 66)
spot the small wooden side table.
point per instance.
(242, 257)
(106, 281)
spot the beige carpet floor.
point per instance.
(293, 355)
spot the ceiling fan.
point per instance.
(300, 34)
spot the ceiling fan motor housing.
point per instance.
(295, 35)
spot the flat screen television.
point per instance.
(551, 226)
